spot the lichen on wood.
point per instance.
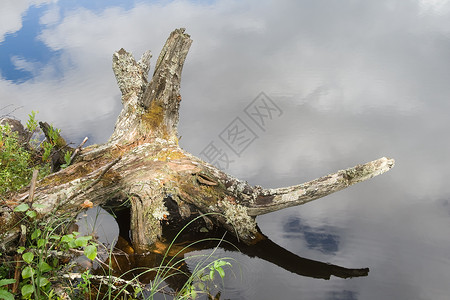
(143, 165)
(237, 216)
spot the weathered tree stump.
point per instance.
(142, 163)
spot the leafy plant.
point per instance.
(14, 162)
(4, 293)
(47, 147)
(67, 157)
(32, 123)
(39, 267)
(39, 270)
(85, 285)
(18, 158)
(202, 274)
(53, 134)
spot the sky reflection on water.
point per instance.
(356, 80)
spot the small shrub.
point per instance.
(18, 157)
(14, 162)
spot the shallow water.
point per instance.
(353, 81)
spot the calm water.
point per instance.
(353, 81)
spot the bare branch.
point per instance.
(77, 150)
(270, 200)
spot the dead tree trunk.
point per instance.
(142, 163)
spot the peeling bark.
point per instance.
(143, 166)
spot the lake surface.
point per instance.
(352, 81)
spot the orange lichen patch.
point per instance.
(87, 204)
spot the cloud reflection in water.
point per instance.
(357, 79)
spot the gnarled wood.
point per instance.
(151, 109)
(142, 164)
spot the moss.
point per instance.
(80, 170)
(153, 117)
(70, 174)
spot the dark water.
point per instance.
(353, 81)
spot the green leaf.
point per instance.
(67, 238)
(193, 293)
(55, 237)
(82, 241)
(31, 213)
(41, 243)
(27, 272)
(21, 249)
(6, 295)
(42, 281)
(27, 290)
(36, 234)
(28, 257)
(21, 207)
(201, 286)
(55, 262)
(44, 267)
(221, 263)
(211, 274)
(221, 272)
(86, 275)
(67, 157)
(37, 205)
(32, 123)
(90, 252)
(4, 282)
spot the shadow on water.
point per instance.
(127, 264)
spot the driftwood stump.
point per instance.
(143, 164)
